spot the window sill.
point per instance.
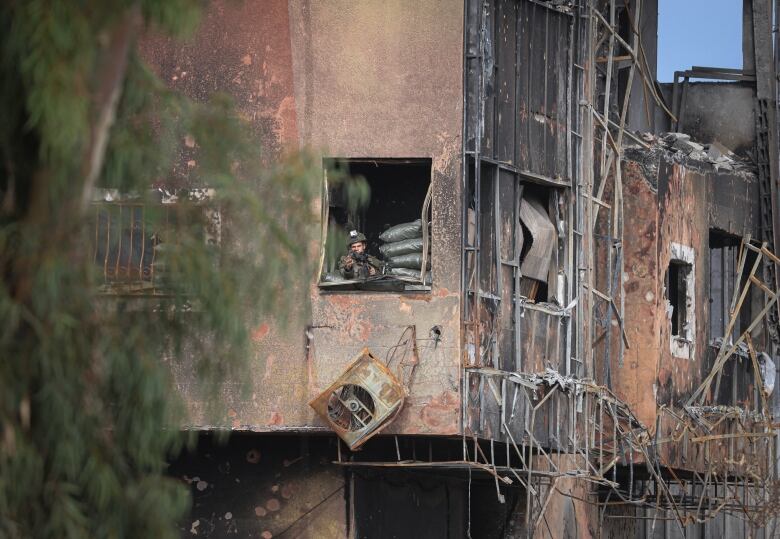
(382, 283)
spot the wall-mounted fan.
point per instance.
(363, 401)
(351, 407)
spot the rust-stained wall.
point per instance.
(691, 203)
(635, 380)
(241, 49)
(683, 219)
(348, 79)
(373, 80)
(668, 202)
(665, 203)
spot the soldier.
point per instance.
(358, 264)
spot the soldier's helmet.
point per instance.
(355, 237)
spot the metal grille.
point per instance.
(125, 246)
(130, 241)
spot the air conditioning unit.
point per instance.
(362, 402)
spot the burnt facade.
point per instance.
(591, 348)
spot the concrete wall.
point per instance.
(722, 111)
(242, 49)
(383, 79)
(668, 203)
(365, 79)
(634, 381)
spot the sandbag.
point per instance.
(407, 272)
(411, 260)
(404, 231)
(402, 247)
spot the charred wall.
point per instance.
(670, 204)
(289, 486)
(524, 74)
(716, 111)
(518, 96)
(250, 486)
(373, 80)
(363, 80)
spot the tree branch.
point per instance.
(110, 79)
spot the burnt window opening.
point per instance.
(724, 264)
(680, 294)
(677, 294)
(538, 255)
(399, 195)
(525, 214)
(481, 229)
(514, 248)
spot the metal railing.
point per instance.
(129, 240)
(125, 247)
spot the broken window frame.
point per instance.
(521, 96)
(404, 284)
(682, 344)
(484, 296)
(549, 260)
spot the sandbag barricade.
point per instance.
(402, 249)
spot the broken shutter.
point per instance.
(536, 262)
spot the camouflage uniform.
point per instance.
(360, 268)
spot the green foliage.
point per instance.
(88, 408)
(354, 194)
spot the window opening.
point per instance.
(678, 295)
(724, 262)
(397, 244)
(679, 285)
(539, 243)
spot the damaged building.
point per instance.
(583, 340)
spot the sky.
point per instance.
(698, 33)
